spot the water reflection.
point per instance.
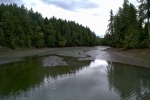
(98, 62)
(129, 82)
(19, 76)
(30, 73)
(79, 80)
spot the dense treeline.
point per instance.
(20, 27)
(129, 27)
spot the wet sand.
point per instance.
(10, 55)
(138, 57)
(143, 54)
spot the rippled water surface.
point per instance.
(76, 80)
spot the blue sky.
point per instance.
(91, 13)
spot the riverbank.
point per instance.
(138, 57)
(8, 55)
(141, 57)
(143, 54)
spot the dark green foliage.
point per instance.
(38, 37)
(7, 23)
(20, 27)
(126, 29)
(144, 12)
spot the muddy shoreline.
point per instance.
(143, 54)
(138, 57)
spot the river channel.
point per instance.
(80, 73)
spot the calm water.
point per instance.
(86, 80)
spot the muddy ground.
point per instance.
(138, 57)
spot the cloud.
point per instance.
(96, 14)
(7, 1)
(11, 1)
(72, 5)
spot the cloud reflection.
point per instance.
(98, 63)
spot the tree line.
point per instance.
(20, 27)
(129, 28)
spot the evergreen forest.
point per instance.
(20, 27)
(129, 27)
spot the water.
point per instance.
(78, 80)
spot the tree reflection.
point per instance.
(27, 74)
(128, 81)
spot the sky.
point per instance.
(91, 13)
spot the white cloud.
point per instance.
(72, 5)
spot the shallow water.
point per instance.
(77, 80)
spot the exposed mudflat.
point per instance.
(138, 57)
(53, 61)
